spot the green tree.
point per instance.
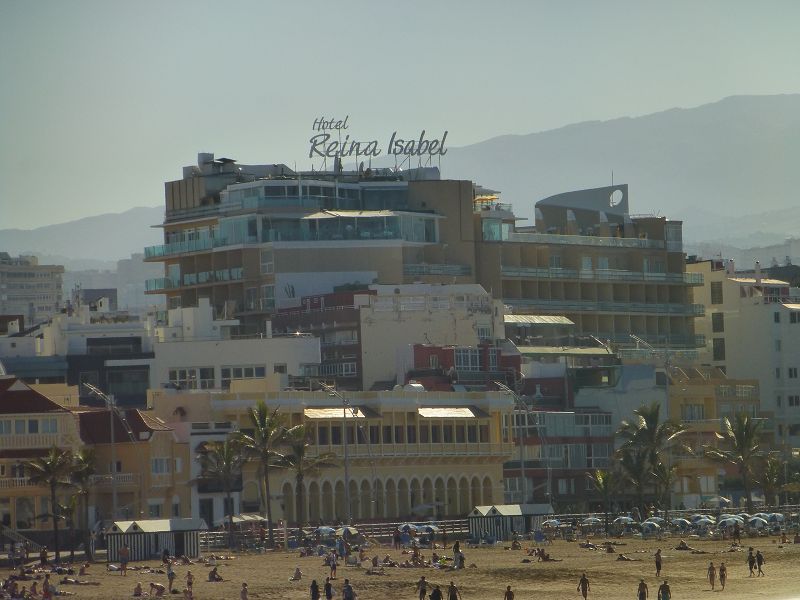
(52, 470)
(264, 446)
(648, 432)
(664, 478)
(771, 479)
(742, 438)
(83, 469)
(604, 483)
(221, 463)
(298, 459)
(635, 464)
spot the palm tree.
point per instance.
(743, 438)
(221, 463)
(264, 446)
(647, 431)
(771, 479)
(635, 466)
(605, 483)
(298, 460)
(664, 478)
(83, 469)
(52, 470)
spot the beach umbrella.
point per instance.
(744, 515)
(649, 527)
(728, 516)
(680, 522)
(729, 522)
(763, 515)
(704, 522)
(591, 521)
(623, 521)
(658, 520)
(695, 518)
(428, 529)
(757, 522)
(325, 531)
(551, 523)
(776, 518)
(349, 530)
(408, 528)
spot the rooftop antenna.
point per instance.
(612, 176)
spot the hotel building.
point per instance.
(28, 288)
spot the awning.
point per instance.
(334, 413)
(448, 412)
(537, 320)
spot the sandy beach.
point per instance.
(267, 574)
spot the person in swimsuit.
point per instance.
(583, 586)
(452, 592)
(664, 593)
(642, 592)
(712, 575)
(658, 562)
(723, 574)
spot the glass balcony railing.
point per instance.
(614, 307)
(602, 275)
(436, 269)
(160, 284)
(585, 240)
(201, 278)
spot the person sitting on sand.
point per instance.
(137, 591)
(682, 545)
(298, 574)
(84, 568)
(34, 592)
(624, 557)
(213, 575)
(157, 589)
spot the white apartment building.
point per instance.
(28, 288)
(752, 329)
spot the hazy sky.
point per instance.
(101, 102)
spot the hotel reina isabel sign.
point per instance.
(331, 140)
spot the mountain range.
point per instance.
(726, 169)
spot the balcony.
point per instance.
(461, 449)
(436, 269)
(161, 284)
(696, 310)
(602, 275)
(24, 441)
(584, 240)
(16, 482)
(658, 340)
(120, 479)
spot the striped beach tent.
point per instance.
(147, 538)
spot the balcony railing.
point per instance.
(602, 275)
(119, 479)
(658, 340)
(160, 284)
(417, 449)
(436, 269)
(614, 307)
(32, 440)
(584, 240)
(16, 482)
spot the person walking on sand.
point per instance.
(243, 593)
(328, 589)
(452, 592)
(658, 562)
(664, 593)
(422, 588)
(436, 594)
(760, 562)
(348, 593)
(712, 575)
(642, 592)
(332, 564)
(583, 586)
(723, 574)
(751, 561)
(314, 589)
(509, 595)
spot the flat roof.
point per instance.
(538, 319)
(791, 306)
(447, 412)
(764, 281)
(571, 351)
(334, 413)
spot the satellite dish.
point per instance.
(615, 198)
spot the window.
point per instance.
(387, 434)
(267, 264)
(778, 400)
(555, 262)
(794, 400)
(279, 368)
(468, 359)
(777, 372)
(322, 435)
(692, 412)
(718, 322)
(716, 292)
(398, 434)
(229, 373)
(602, 262)
(586, 263)
(154, 511)
(192, 378)
(33, 425)
(792, 317)
(49, 425)
(176, 509)
(719, 348)
(433, 361)
(792, 372)
(159, 466)
(178, 465)
(493, 359)
(794, 429)
(484, 332)
(778, 345)
(19, 426)
(267, 297)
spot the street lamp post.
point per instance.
(109, 401)
(519, 404)
(345, 406)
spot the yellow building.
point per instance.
(410, 452)
(700, 398)
(150, 468)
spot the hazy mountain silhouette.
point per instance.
(710, 166)
(727, 169)
(107, 237)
